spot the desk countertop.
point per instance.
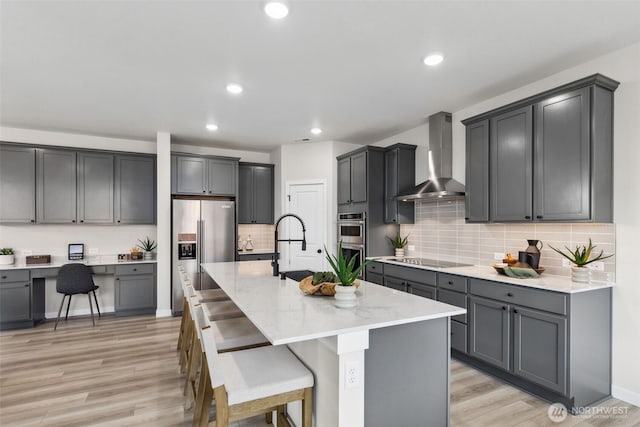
(94, 260)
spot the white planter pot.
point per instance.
(345, 296)
(580, 274)
(148, 255)
(399, 252)
(7, 259)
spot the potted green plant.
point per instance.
(580, 258)
(147, 245)
(7, 256)
(399, 243)
(346, 272)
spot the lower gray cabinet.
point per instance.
(375, 278)
(419, 289)
(15, 302)
(397, 284)
(489, 331)
(540, 348)
(135, 289)
(458, 336)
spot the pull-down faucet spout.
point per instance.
(274, 263)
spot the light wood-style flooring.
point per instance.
(124, 372)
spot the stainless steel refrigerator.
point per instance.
(202, 231)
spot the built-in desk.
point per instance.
(22, 289)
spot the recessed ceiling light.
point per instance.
(234, 88)
(316, 131)
(433, 59)
(212, 127)
(276, 9)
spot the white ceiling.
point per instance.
(353, 68)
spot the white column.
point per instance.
(350, 349)
(163, 182)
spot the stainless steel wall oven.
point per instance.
(351, 232)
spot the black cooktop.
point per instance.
(436, 263)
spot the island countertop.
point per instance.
(285, 315)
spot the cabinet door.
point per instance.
(477, 179)
(458, 336)
(17, 184)
(375, 278)
(95, 187)
(454, 298)
(359, 178)
(422, 290)
(222, 177)
(489, 334)
(245, 194)
(135, 191)
(263, 195)
(562, 158)
(190, 175)
(540, 348)
(511, 167)
(397, 284)
(15, 301)
(390, 186)
(56, 189)
(344, 181)
(135, 294)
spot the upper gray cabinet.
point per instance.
(477, 181)
(399, 176)
(95, 187)
(17, 184)
(135, 189)
(352, 178)
(204, 176)
(56, 186)
(255, 193)
(550, 156)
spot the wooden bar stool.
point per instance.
(250, 382)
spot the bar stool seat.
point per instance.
(237, 333)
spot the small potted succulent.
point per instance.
(7, 256)
(580, 258)
(147, 245)
(346, 272)
(399, 243)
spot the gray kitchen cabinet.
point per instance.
(422, 290)
(412, 280)
(374, 272)
(376, 278)
(135, 289)
(458, 336)
(21, 302)
(344, 181)
(477, 172)
(399, 176)
(395, 283)
(194, 175)
(359, 177)
(511, 165)
(95, 178)
(135, 189)
(550, 156)
(489, 331)
(56, 186)
(539, 348)
(247, 256)
(255, 193)
(17, 184)
(454, 298)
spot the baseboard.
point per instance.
(164, 312)
(628, 396)
(79, 312)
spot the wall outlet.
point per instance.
(597, 266)
(27, 252)
(566, 263)
(93, 251)
(352, 375)
(498, 255)
(411, 248)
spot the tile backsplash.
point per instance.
(261, 235)
(440, 232)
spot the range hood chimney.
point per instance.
(439, 185)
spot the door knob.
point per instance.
(319, 251)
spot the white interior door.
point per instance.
(308, 201)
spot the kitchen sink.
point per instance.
(296, 275)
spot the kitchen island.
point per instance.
(384, 362)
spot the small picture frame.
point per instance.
(76, 251)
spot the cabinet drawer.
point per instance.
(375, 267)
(255, 257)
(534, 298)
(99, 269)
(414, 274)
(452, 282)
(458, 336)
(134, 269)
(14, 276)
(454, 298)
(50, 273)
(375, 278)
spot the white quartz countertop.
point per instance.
(547, 282)
(285, 315)
(94, 260)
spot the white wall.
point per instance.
(419, 136)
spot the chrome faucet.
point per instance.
(274, 263)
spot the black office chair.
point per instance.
(75, 279)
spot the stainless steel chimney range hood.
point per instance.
(440, 185)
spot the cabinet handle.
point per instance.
(73, 220)
(135, 269)
(450, 282)
(515, 311)
(118, 221)
(33, 220)
(504, 308)
(26, 285)
(527, 217)
(509, 294)
(394, 220)
(4, 277)
(210, 192)
(82, 220)
(204, 191)
(466, 218)
(539, 217)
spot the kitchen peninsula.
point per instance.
(394, 345)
